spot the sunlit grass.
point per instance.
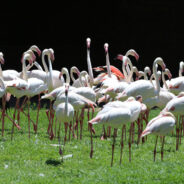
(35, 160)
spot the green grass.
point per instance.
(35, 160)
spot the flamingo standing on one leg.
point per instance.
(64, 113)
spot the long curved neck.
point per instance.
(65, 71)
(163, 80)
(44, 63)
(157, 90)
(90, 71)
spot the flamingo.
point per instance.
(176, 106)
(64, 113)
(144, 74)
(144, 87)
(26, 87)
(117, 114)
(160, 126)
(78, 101)
(176, 85)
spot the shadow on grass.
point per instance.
(53, 162)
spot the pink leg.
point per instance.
(113, 145)
(16, 105)
(38, 110)
(66, 128)
(91, 153)
(122, 145)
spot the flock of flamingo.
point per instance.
(127, 99)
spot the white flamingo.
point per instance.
(117, 114)
(161, 125)
(64, 113)
(144, 87)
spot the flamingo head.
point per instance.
(160, 61)
(36, 49)
(27, 57)
(77, 71)
(88, 42)
(132, 52)
(51, 51)
(147, 70)
(167, 71)
(1, 58)
(106, 46)
(120, 57)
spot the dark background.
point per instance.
(152, 27)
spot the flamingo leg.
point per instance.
(91, 152)
(66, 128)
(21, 109)
(38, 110)
(155, 151)
(70, 129)
(113, 145)
(16, 105)
(104, 136)
(51, 125)
(162, 149)
(108, 131)
(122, 145)
(50, 110)
(81, 122)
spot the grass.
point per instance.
(35, 160)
